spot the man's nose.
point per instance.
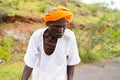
(61, 30)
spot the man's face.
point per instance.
(57, 28)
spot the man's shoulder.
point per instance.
(38, 31)
(69, 34)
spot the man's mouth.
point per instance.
(60, 35)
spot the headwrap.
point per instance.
(58, 13)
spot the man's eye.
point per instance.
(54, 26)
(57, 26)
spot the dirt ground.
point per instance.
(107, 70)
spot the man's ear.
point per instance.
(47, 24)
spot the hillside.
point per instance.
(37, 8)
(97, 28)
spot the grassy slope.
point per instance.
(11, 71)
(83, 14)
(38, 8)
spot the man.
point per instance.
(52, 52)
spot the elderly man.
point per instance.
(52, 52)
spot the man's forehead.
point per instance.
(59, 22)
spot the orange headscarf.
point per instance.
(58, 13)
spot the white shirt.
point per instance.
(54, 66)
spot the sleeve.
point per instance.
(73, 57)
(31, 52)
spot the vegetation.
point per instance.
(97, 29)
(5, 48)
(11, 71)
(98, 42)
(102, 30)
(100, 35)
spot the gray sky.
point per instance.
(115, 5)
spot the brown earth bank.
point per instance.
(18, 29)
(20, 33)
(27, 19)
(107, 70)
(12, 19)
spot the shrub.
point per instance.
(98, 42)
(5, 48)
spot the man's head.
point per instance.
(57, 28)
(56, 19)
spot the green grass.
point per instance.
(11, 71)
(94, 40)
(98, 46)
